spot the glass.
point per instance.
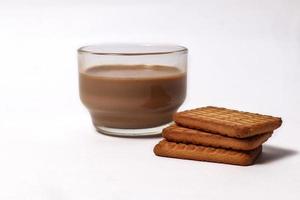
(132, 89)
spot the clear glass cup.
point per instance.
(132, 89)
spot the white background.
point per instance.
(242, 54)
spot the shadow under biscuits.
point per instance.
(273, 153)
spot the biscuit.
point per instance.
(227, 122)
(184, 135)
(210, 154)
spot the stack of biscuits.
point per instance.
(217, 135)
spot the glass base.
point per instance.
(144, 132)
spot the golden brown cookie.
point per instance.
(227, 122)
(175, 133)
(196, 152)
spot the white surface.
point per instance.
(243, 55)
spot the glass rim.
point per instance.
(100, 49)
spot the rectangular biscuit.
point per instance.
(184, 135)
(227, 122)
(210, 154)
